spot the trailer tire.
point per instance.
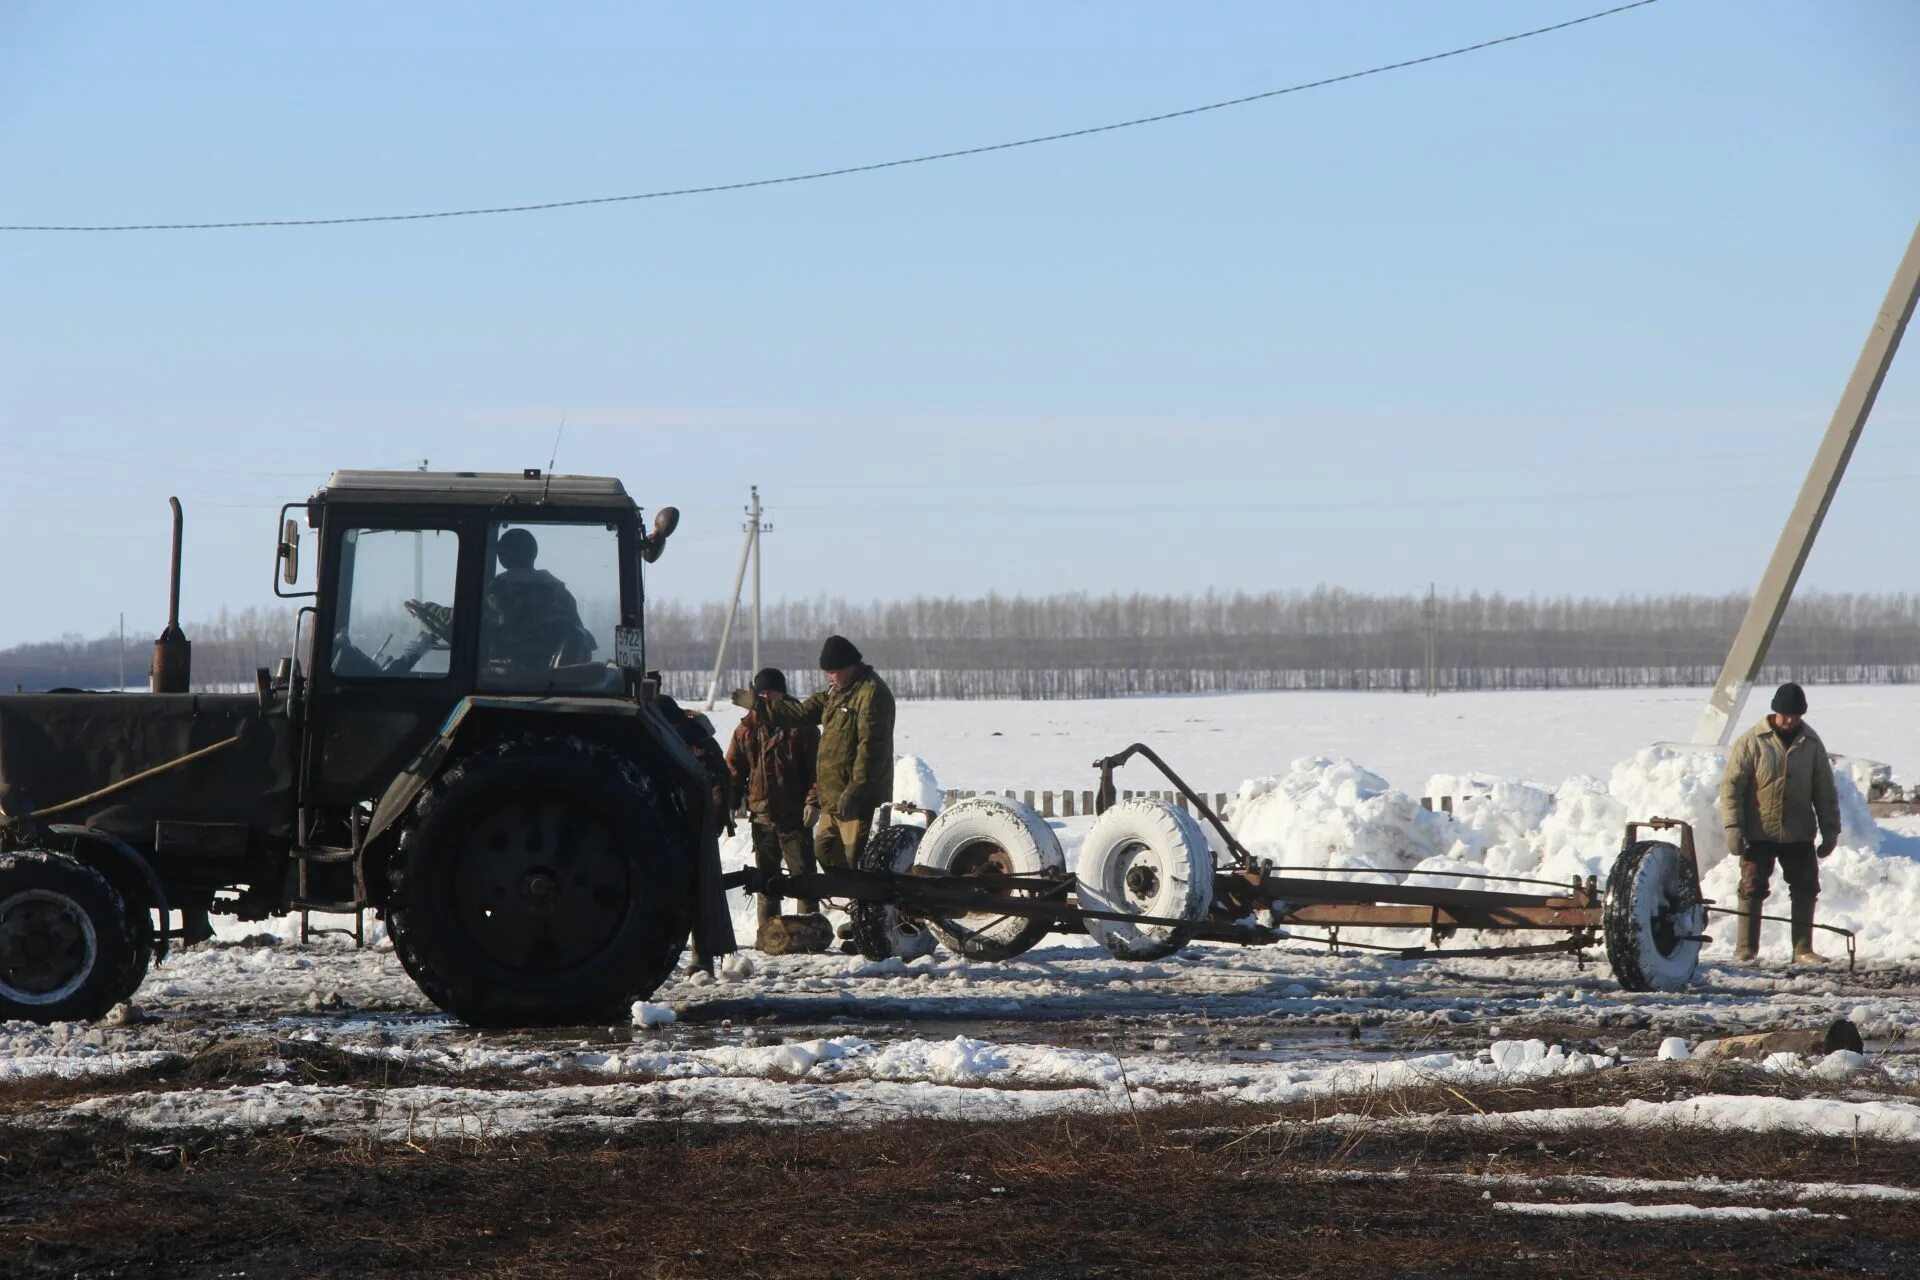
(1653, 908)
(65, 943)
(1149, 858)
(981, 838)
(879, 930)
(536, 884)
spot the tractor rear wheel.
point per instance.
(65, 945)
(537, 883)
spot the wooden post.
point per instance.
(1026, 798)
(1046, 804)
(1066, 804)
(1086, 803)
(1426, 802)
(1219, 802)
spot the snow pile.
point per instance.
(914, 783)
(1333, 813)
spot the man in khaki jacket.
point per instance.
(854, 771)
(1778, 786)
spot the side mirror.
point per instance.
(665, 521)
(290, 554)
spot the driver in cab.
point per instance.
(530, 622)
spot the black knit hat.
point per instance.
(1790, 700)
(769, 680)
(838, 652)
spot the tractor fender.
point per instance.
(117, 861)
(651, 729)
(476, 716)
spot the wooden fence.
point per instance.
(1071, 804)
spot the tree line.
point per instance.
(1080, 645)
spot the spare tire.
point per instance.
(1653, 917)
(1148, 858)
(879, 930)
(984, 838)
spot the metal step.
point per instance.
(327, 908)
(323, 855)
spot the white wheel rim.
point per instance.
(37, 928)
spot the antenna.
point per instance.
(552, 457)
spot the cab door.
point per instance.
(392, 649)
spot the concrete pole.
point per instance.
(733, 608)
(754, 517)
(1750, 644)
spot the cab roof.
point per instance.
(474, 488)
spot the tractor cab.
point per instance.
(435, 587)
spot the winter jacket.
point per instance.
(856, 738)
(531, 621)
(1775, 791)
(773, 768)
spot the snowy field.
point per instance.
(1321, 779)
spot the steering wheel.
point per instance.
(435, 624)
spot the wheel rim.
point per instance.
(47, 947)
(1135, 876)
(542, 885)
(1674, 917)
(983, 859)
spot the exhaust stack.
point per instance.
(172, 669)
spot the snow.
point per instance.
(1886, 1121)
(1622, 1211)
(1320, 781)
(647, 1014)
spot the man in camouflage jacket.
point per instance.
(855, 769)
(772, 776)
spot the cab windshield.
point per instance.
(549, 608)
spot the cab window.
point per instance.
(549, 608)
(395, 618)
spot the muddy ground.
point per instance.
(1351, 1184)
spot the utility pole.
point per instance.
(749, 550)
(1430, 611)
(123, 652)
(755, 528)
(1770, 599)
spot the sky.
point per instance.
(1564, 316)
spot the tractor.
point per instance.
(463, 739)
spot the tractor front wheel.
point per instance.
(537, 883)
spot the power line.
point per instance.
(817, 175)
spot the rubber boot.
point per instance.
(1803, 952)
(1746, 938)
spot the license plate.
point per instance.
(629, 648)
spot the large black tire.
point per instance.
(879, 930)
(538, 883)
(1653, 918)
(136, 898)
(65, 944)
